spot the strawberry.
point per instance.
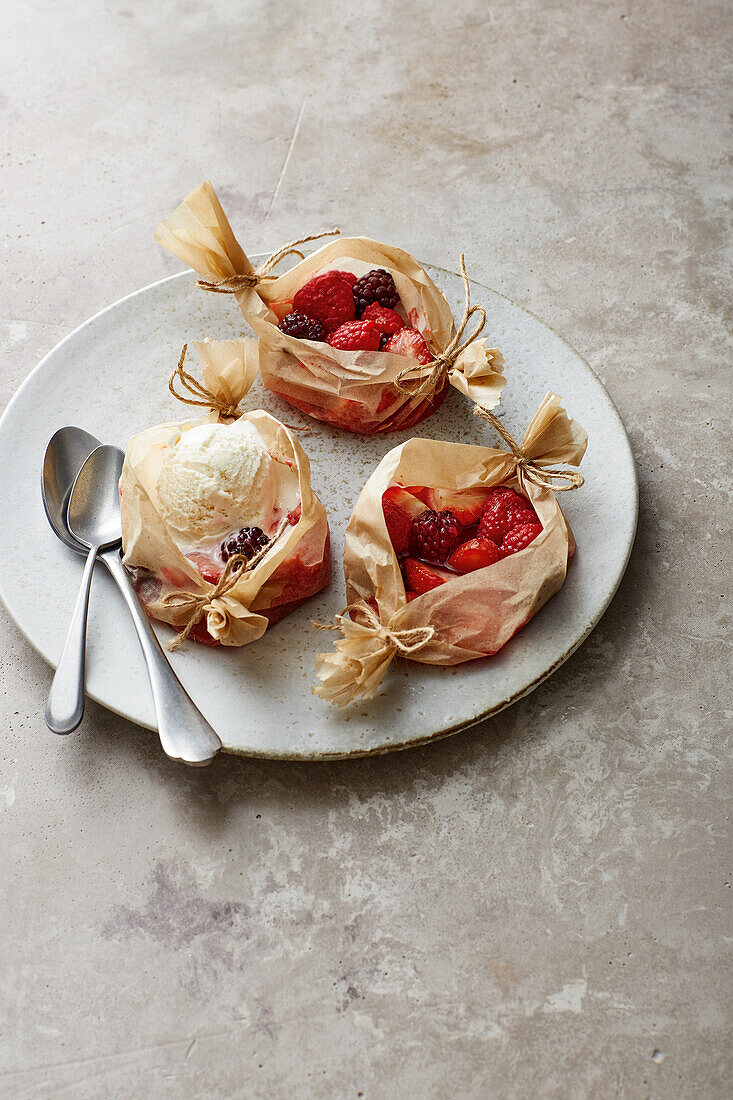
(421, 577)
(475, 554)
(355, 336)
(386, 320)
(409, 342)
(465, 504)
(208, 569)
(419, 491)
(398, 525)
(328, 299)
(400, 508)
(405, 499)
(387, 400)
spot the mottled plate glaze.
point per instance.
(109, 376)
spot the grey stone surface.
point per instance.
(538, 907)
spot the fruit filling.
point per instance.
(438, 534)
(353, 314)
(221, 492)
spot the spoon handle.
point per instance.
(65, 705)
(184, 732)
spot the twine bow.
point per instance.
(234, 283)
(199, 604)
(544, 477)
(443, 362)
(201, 396)
(404, 642)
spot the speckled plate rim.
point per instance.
(436, 735)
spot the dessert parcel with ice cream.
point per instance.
(219, 521)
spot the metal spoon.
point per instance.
(184, 732)
(95, 524)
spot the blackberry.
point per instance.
(384, 339)
(302, 327)
(248, 542)
(435, 535)
(376, 286)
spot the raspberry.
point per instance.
(355, 336)
(491, 528)
(302, 327)
(328, 299)
(520, 536)
(348, 275)
(504, 509)
(435, 535)
(376, 286)
(248, 541)
(410, 343)
(386, 320)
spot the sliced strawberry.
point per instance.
(405, 499)
(419, 491)
(398, 526)
(465, 504)
(409, 342)
(400, 508)
(474, 554)
(387, 400)
(208, 569)
(174, 577)
(421, 577)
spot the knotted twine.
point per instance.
(225, 409)
(544, 477)
(234, 283)
(445, 360)
(404, 642)
(199, 604)
(206, 399)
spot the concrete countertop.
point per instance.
(537, 907)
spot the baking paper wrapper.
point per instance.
(297, 566)
(471, 615)
(353, 390)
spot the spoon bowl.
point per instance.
(67, 451)
(94, 506)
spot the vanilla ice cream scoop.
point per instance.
(219, 478)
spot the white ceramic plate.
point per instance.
(109, 377)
